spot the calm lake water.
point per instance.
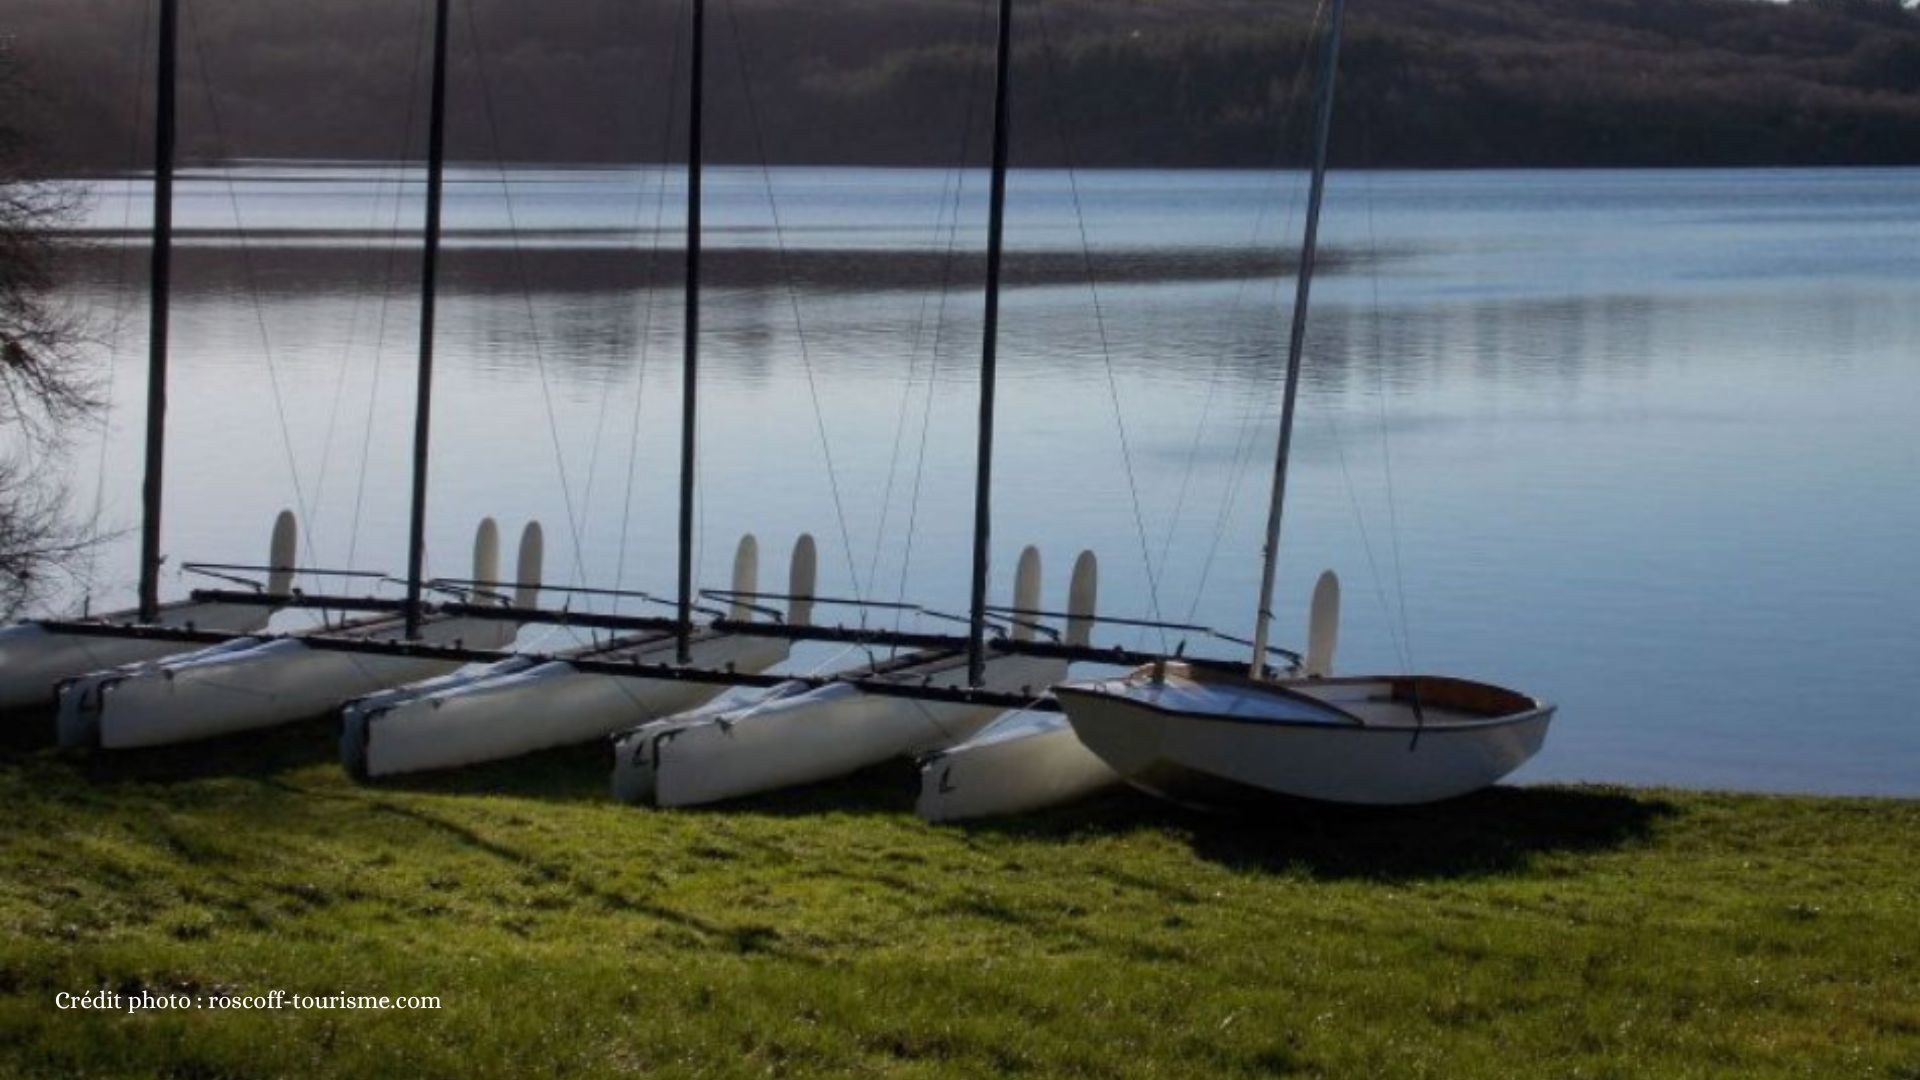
(1643, 443)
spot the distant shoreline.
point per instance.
(89, 175)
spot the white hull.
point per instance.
(504, 713)
(222, 691)
(35, 660)
(1221, 743)
(794, 738)
(1021, 763)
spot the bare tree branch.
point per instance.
(47, 389)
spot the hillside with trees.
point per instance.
(1443, 83)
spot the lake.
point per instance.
(1643, 443)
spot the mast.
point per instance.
(162, 288)
(690, 339)
(1297, 339)
(983, 474)
(429, 273)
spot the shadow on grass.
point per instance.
(887, 789)
(250, 754)
(1497, 831)
(573, 774)
(26, 730)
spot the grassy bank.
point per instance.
(1544, 932)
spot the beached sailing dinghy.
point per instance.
(263, 682)
(519, 706)
(1207, 738)
(1204, 736)
(1029, 761)
(1022, 760)
(36, 656)
(797, 734)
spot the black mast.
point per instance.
(162, 287)
(690, 340)
(983, 474)
(429, 271)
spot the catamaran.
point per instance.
(37, 655)
(935, 698)
(522, 704)
(257, 682)
(1032, 760)
(1195, 734)
(796, 733)
(245, 682)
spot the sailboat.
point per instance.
(37, 655)
(523, 704)
(1020, 762)
(1032, 760)
(796, 733)
(1201, 735)
(257, 682)
(805, 730)
(942, 694)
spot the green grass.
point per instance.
(1525, 932)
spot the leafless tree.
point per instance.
(46, 388)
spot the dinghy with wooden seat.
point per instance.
(1031, 761)
(798, 735)
(274, 681)
(518, 706)
(36, 656)
(1211, 736)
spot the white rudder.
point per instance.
(746, 578)
(526, 576)
(1082, 594)
(486, 553)
(1026, 593)
(802, 574)
(1323, 626)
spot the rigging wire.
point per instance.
(646, 323)
(1100, 322)
(122, 309)
(950, 181)
(793, 296)
(1264, 204)
(1386, 451)
(360, 294)
(1253, 422)
(940, 315)
(526, 294)
(389, 274)
(1360, 525)
(306, 522)
(1246, 440)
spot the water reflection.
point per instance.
(1631, 439)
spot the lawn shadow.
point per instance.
(567, 774)
(266, 752)
(887, 789)
(1497, 831)
(26, 730)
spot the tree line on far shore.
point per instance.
(1424, 83)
